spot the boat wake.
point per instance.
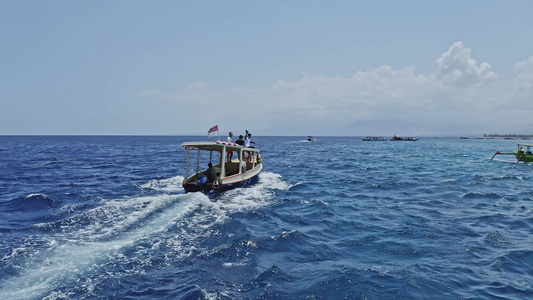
(123, 237)
(508, 161)
(168, 185)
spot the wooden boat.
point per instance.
(397, 138)
(375, 139)
(241, 171)
(520, 154)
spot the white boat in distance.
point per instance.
(398, 138)
(241, 171)
(375, 139)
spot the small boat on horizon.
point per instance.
(397, 138)
(311, 139)
(375, 139)
(243, 170)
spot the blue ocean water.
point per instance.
(105, 217)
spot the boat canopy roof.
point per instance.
(216, 146)
(526, 145)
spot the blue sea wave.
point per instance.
(106, 217)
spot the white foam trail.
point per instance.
(268, 180)
(169, 185)
(77, 251)
(87, 243)
(255, 195)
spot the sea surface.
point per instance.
(105, 217)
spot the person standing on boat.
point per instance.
(247, 142)
(240, 142)
(230, 153)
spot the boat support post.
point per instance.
(187, 168)
(241, 158)
(198, 162)
(223, 166)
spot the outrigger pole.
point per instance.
(498, 152)
(507, 153)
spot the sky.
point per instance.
(275, 68)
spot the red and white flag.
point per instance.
(212, 131)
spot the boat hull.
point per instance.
(243, 183)
(207, 188)
(524, 157)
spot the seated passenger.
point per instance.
(211, 173)
(243, 166)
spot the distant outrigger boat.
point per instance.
(230, 174)
(397, 138)
(375, 139)
(521, 155)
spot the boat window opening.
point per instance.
(203, 157)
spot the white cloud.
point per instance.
(355, 96)
(460, 92)
(457, 67)
(525, 73)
